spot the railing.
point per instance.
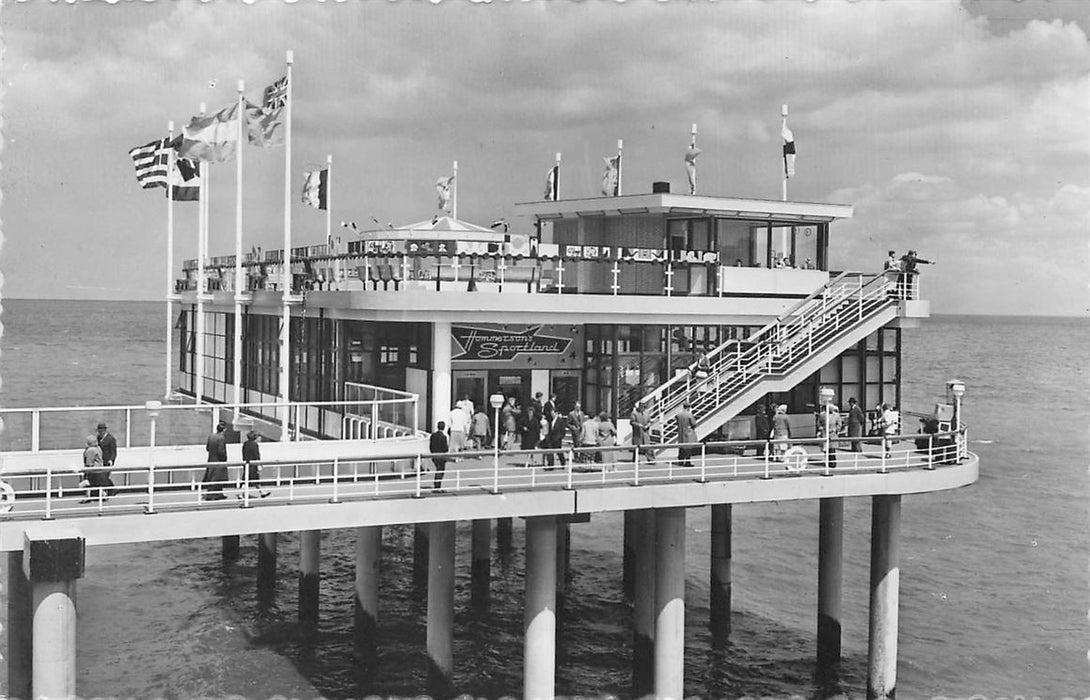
(736, 365)
(386, 412)
(150, 489)
(174, 424)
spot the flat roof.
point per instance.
(686, 205)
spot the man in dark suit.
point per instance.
(108, 444)
(214, 474)
(558, 427)
(686, 433)
(857, 420)
(439, 445)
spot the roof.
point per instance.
(438, 228)
(687, 205)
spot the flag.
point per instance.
(551, 178)
(316, 188)
(264, 127)
(185, 180)
(276, 95)
(690, 166)
(442, 187)
(609, 177)
(788, 151)
(211, 138)
(151, 164)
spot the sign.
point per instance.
(496, 344)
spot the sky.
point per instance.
(959, 129)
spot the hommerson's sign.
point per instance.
(495, 344)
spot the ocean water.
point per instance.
(993, 576)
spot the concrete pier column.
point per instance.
(266, 562)
(884, 594)
(53, 559)
(19, 625)
(643, 606)
(563, 555)
(539, 622)
(441, 386)
(504, 534)
(231, 547)
(310, 543)
(420, 556)
(481, 571)
(628, 560)
(720, 573)
(440, 634)
(368, 562)
(830, 566)
(670, 603)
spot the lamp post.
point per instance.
(496, 400)
(826, 395)
(956, 388)
(153, 408)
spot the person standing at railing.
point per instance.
(588, 437)
(92, 471)
(575, 425)
(856, 422)
(763, 429)
(215, 474)
(531, 433)
(891, 425)
(108, 444)
(641, 436)
(781, 431)
(554, 438)
(251, 455)
(607, 437)
(892, 271)
(686, 433)
(909, 272)
(511, 414)
(438, 445)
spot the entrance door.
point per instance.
(473, 385)
(565, 385)
(511, 383)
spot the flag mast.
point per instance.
(237, 367)
(454, 194)
(620, 147)
(170, 256)
(783, 129)
(329, 215)
(286, 284)
(556, 178)
(202, 253)
(692, 143)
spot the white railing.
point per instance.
(147, 488)
(736, 365)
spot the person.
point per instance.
(511, 414)
(575, 425)
(92, 471)
(554, 440)
(908, 272)
(686, 433)
(641, 435)
(549, 406)
(891, 425)
(108, 444)
(459, 427)
(607, 437)
(856, 421)
(215, 475)
(781, 431)
(537, 403)
(251, 455)
(702, 368)
(466, 404)
(763, 428)
(827, 418)
(438, 445)
(481, 429)
(531, 432)
(892, 271)
(588, 437)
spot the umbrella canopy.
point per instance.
(445, 228)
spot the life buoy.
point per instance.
(794, 460)
(7, 497)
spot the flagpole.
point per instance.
(620, 147)
(783, 158)
(454, 194)
(329, 214)
(170, 257)
(692, 186)
(202, 254)
(237, 368)
(286, 285)
(556, 179)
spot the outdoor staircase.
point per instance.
(777, 357)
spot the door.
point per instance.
(564, 384)
(471, 384)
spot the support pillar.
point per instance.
(539, 622)
(310, 543)
(830, 566)
(670, 603)
(420, 556)
(368, 564)
(481, 571)
(628, 560)
(504, 534)
(19, 628)
(721, 573)
(643, 606)
(231, 547)
(442, 390)
(53, 559)
(563, 555)
(440, 634)
(266, 562)
(884, 593)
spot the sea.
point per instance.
(993, 576)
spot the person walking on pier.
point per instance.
(640, 421)
(891, 425)
(481, 429)
(781, 431)
(108, 444)
(686, 435)
(439, 446)
(251, 455)
(575, 426)
(607, 437)
(459, 426)
(554, 439)
(92, 471)
(856, 422)
(215, 475)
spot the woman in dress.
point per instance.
(607, 437)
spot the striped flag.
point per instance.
(276, 95)
(788, 151)
(151, 164)
(316, 189)
(610, 178)
(551, 179)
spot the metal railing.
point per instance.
(149, 488)
(736, 365)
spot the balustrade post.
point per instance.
(150, 507)
(703, 463)
(336, 468)
(128, 427)
(49, 493)
(35, 430)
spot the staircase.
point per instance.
(778, 356)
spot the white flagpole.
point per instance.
(202, 254)
(329, 203)
(170, 258)
(556, 179)
(693, 188)
(620, 147)
(285, 321)
(454, 194)
(237, 367)
(783, 158)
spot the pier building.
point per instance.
(714, 304)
